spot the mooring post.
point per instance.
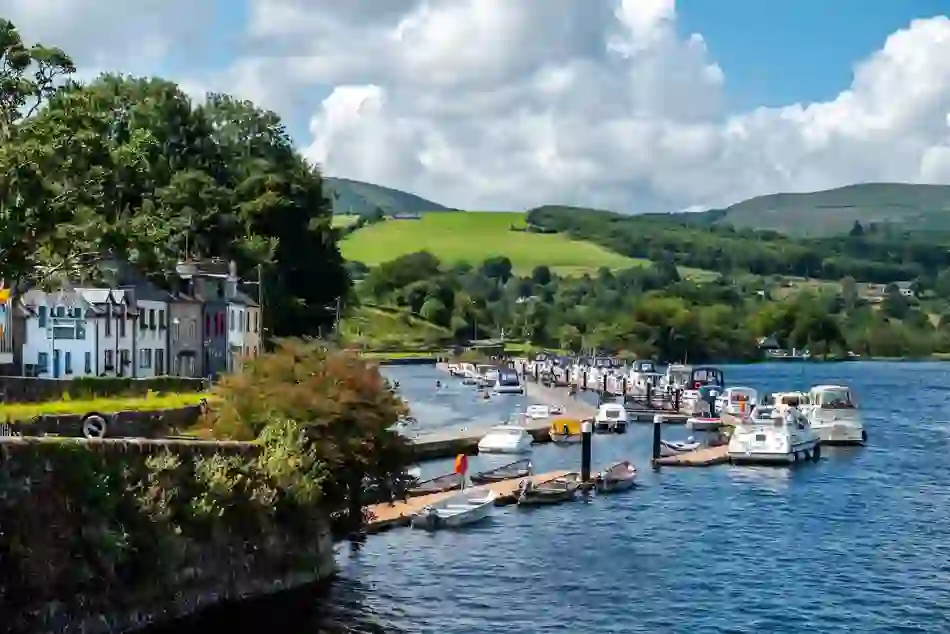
(587, 429)
(657, 436)
(603, 385)
(676, 400)
(623, 385)
(649, 394)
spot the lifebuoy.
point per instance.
(94, 426)
(697, 385)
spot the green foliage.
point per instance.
(365, 199)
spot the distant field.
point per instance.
(344, 220)
(380, 327)
(473, 237)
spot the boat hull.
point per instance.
(840, 434)
(509, 389)
(613, 486)
(566, 439)
(538, 498)
(697, 423)
(798, 453)
(445, 518)
(513, 450)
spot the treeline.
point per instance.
(867, 255)
(648, 312)
(132, 167)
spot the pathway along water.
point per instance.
(859, 542)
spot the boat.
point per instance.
(670, 447)
(565, 431)
(676, 378)
(611, 417)
(703, 387)
(737, 401)
(414, 474)
(506, 439)
(538, 411)
(517, 469)
(834, 415)
(507, 382)
(774, 435)
(618, 477)
(440, 484)
(561, 489)
(703, 423)
(461, 509)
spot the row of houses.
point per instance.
(130, 327)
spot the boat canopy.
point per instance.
(832, 397)
(741, 394)
(707, 376)
(508, 377)
(642, 366)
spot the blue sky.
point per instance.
(778, 52)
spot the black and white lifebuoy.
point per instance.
(94, 426)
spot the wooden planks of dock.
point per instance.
(384, 516)
(703, 457)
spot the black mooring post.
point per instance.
(657, 436)
(649, 394)
(676, 400)
(603, 385)
(587, 429)
(623, 386)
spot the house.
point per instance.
(58, 335)
(243, 329)
(905, 288)
(112, 322)
(151, 344)
(185, 353)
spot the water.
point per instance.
(859, 542)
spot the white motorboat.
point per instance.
(461, 509)
(834, 415)
(537, 411)
(703, 423)
(737, 401)
(670, 448)
(703, 382)
(507, 382)
(773, 435)
(506, 439)
(611, 417)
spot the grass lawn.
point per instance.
(379, 327)
(28, 411)
(475, 236)
(340, 221)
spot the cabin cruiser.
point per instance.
(834, 415)
(701, 377)
(773, 435)
(469, 374)
(611, 417)
(486, 375)
(507, 382)
(737, 401)
(641, 372)
(506, 439)
(537, 411)
(677, 377)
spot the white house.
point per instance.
(59, 334)
(114, 328)
(152, 337)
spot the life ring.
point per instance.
(697, 385)
(94, 426)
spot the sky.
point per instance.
(630, 105)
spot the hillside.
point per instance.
(473, 237)
(358, 198)
(384, 328)
(833, 212)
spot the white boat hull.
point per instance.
(703, 424)
(459, 510)
(509, 389)
(836, 434)
(798, 452)
(568, 439)
(523, 446)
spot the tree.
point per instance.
(541, 275)
(856, 230)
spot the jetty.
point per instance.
(384, 516)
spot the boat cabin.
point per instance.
(643, 366)
(605, 362)
(508, 378)
(706, 376)
(832, 397)
(678, 375)
(789, 399)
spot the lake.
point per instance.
(858, 542)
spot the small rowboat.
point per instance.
(554, 491)
(517, 469)
(703, 423)
(447, 482)
(461, 509)
(680, 447)
(618, 477)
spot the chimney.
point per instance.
(231, 285)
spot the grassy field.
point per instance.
(27, 411)
(473, 237)
(342, 221)
(376, 328)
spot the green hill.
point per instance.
(833, 212)
(475, 236)
(358, 198)
(384, 328)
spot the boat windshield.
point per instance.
(835, 398)
(680, 376)
(611, 412)
(792, 400)
(763, 414)
(508, 377)
(740, 397)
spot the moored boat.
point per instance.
(618, 477)
(669, 447)
(565, 431)
(703, 423)
(517, 469)
(834, 415)
(774, 435)
(461, 509)
(611, 417)
(506, 439)
(439, 484)
(554, 491)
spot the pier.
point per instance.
(384, 516)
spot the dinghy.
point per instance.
(447, 482)
(554, 491)
(461, 509)
(564, 431)
(618, 477)
(703, 423)
(517, 469)
(679, 447)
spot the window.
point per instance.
(124, 357)
(159, 361)
(77, 313)
(151, 318)
(255, 321)
(143, 324)
(64, 332)
(122, 319)
(193, 329)
(207, 325)
(145, 358)
(88, 364)
(161, 319)
(109, 360)
(42, 362)
(109, 323)
(247, 321)
(80, 330)
(176, 329)
(231, 319)
(60, 311)
(42, 316)
(69, 362)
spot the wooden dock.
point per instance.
(385, 516)
(702, 457)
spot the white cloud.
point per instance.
(502, 104)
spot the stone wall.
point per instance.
(21, 389)
(100, 539)
(137, 423)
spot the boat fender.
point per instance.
(816, 453)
